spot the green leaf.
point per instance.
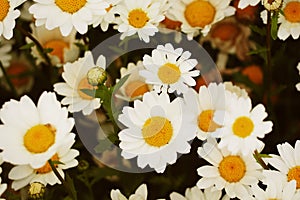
(274, 26)
(71, 186)
(27, 46)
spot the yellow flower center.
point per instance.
(199, 13)
(138, 18)
(292, 11)
(4, 5)
(232, 169)
(169, 73)
(39, 138)
(157, 131)
(84, 84)
(243, 127)
(294, 174)
(47, 168)
(136, 88)
(70, 6)
(205, 121)
(58, 47)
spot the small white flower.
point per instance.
(195, 193)
(75, 75)
(169, 69)
(140, 194)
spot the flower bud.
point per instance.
(271, 5)
(96, 76)
(36, 190)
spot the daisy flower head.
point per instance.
(288, 163)
(199, 15)
(233, 172)
(141, 17)
(109, 17)
(155, 131)
(242, 125)
(195, 193)
(35, 132)
(135, 86)
(244, 3)
(75, 77)
(141, 193)
(23, 175)
(77, 14)
(277, 187)
(203, 105)
(63, 48)
(169, 69)
(298, 85)
(8, 15)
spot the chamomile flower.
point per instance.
(298, 85)
(3, 186)
(141, 193)
(242, 125)
(202, 107)
(155, 131)
(199, 15)
(233, 172)
(34, 132)
(141, 17)
(288, 163)
(195, 193)
(109, 17)
(8, 15)
(23, 175)
(75, 75)
(77, 14)
(135, 86)
(277, 187)
(244, 3)
(169, 69)
(63, 48)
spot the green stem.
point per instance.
(10, 84)
(260, 160)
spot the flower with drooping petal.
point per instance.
(140, 194)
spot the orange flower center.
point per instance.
(292, 11)
(169, 73)
(199, 13)
(58, 47)
(254, 73)
(136, 88)
(205, 121)
(232, 169)
(138, 18)
(294, 174)
(70, 6)
(4, 5)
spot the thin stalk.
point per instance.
(260, 160)
(10, 85)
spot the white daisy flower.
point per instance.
(135, 86)
(235, 89)
(64, 48)
(195, 193)
(288, 163)
(5, 53)
(75, 75)
(109, 17)
(76, 14)
(277, 187)
(298, 85)
(23, 175)
(169, 69)
(156, 131)
(199, 15)
(202, 107)
(3, 186)
(244, 3)
(140, 194)
(34, 132)
(242, 125)
(233, 172)
(8, 15)
(141, 17)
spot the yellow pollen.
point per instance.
(84, 84)
(205, 121)
(4, 5)
(292, 11)
(136, 88)
(157, 131)
(232, 169)
(138, 18)
(39, 138)
(70, 6)
(199, 13)
(47, 168)
(243, 127)
(58, 47)
(294, 174)
(169, 73)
